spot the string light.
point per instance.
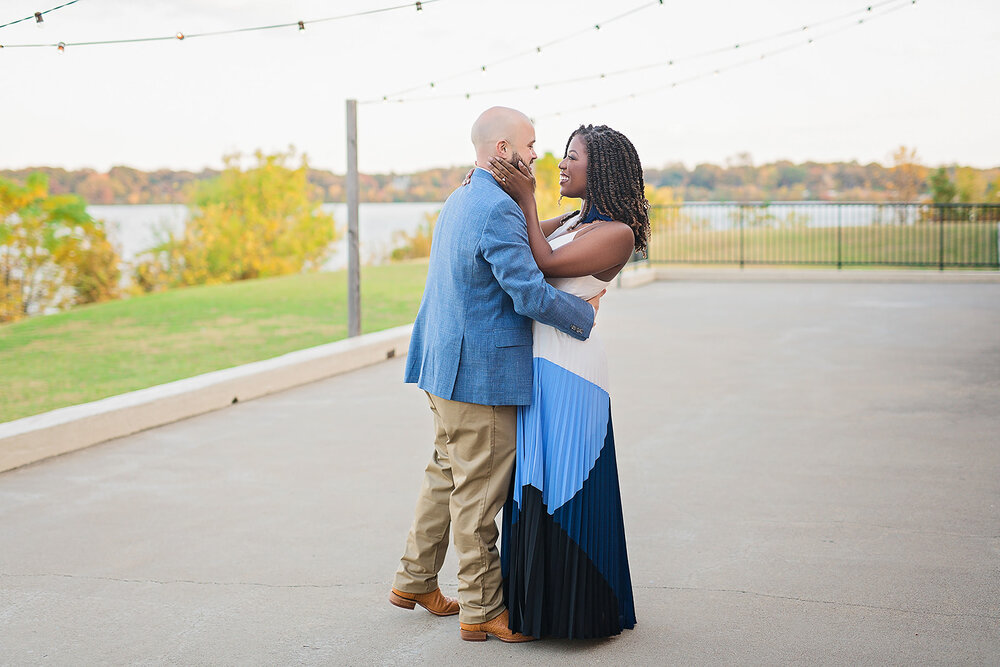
(656, 65)
(38, 15)
(179, 35)
(694, 56)
(61, 47)
(732, 66)
(520, 54)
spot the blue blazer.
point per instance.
(471, 340)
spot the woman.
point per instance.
(566, 567)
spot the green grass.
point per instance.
(111, 348)
(917, 245)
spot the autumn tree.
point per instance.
(546, 169)
(993, 192)
(907, 175)
(970, 185)
(52, 253)
(664, 207)
(416, 244)
(943, 191)
(247, 223)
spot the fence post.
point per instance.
(353, 195)
(840, 239)
(940, 237)
(741, 236)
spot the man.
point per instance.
(470, 351)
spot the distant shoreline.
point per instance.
(775, 181)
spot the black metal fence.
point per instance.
(827, 234)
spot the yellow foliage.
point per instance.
(247, 223)
(546, 169)
(664, 207)
(662, 196)
(417, 244)
(993, 192)
(907, 176)
(970, 185)
(52, 253)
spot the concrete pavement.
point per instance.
(810, 475)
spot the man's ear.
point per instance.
(502, 148)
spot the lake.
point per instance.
(135, 228)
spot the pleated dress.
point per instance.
(563, 553)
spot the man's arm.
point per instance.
(504, 245)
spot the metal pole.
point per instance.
(840, 238)
(940, 238)
(353, 258)
(741, 237)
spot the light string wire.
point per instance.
(514, 56)
(902, 4)
(35, 16)
(863, 11)
(182, 36)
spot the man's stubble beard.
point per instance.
(516, 159)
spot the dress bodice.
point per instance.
(581, 286)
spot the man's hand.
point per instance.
(595, 301)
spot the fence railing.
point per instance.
(827, 234)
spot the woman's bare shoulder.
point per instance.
(608, 230)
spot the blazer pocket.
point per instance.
(511, 337)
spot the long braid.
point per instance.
(614, 180)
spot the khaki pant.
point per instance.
(465, 485)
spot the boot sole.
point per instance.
(481, 636)
(406, 603)
(401, 601)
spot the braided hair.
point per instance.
(614, 180)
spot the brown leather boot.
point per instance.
(434, 602)
(477, 632)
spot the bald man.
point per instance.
(470, 351)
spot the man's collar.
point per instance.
(481, 172)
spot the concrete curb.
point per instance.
(768, 275)
(636, 277)
(39, 437)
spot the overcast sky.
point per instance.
(925, 76)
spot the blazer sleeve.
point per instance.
(504, 244)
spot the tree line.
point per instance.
(265, 219)
(246, 222)
(903, 178)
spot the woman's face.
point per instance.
(573, 170)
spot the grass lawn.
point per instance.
(110, 348)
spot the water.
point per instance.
(809, 214)
(135, 228)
